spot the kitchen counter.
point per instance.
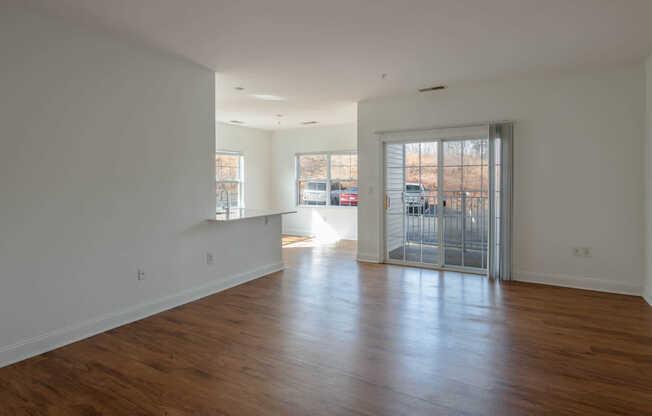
(237, 214)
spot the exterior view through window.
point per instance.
(229, 179)
(437, 206)
(327, 179)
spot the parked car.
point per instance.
(415, 198)
(349, 197)
(339, 189)
(314, 193)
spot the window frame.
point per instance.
(328, 180)
(241, 175)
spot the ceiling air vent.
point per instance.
(307, 123)
(236, 122)
(436, 88)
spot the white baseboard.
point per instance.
(578, 282)
(368, 258)
(52, 340)
(648, 297)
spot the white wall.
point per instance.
(256, 145)
(328, 222)
(578, 169)
(106, 165)
(648, 181)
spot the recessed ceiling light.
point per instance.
(268, 97)
(305, 123)
(435, 88)
(236, 122)
(238, 88)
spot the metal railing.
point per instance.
(464, 226)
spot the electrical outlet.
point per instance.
(210, 259)
(582, 252)
(141, 274)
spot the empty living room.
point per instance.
(360, 207)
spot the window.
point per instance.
(325, 179)
(229, 179)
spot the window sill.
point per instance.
(327, 206)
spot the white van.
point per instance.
(315, 193)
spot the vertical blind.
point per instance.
(501, 144)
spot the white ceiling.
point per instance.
(324, 56)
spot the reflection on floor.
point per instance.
(430, 253)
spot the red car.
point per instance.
(349, 198)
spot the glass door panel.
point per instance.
(411, 187)
(436, 202)
(465, 203)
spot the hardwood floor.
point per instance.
(330, 336)
(287, 240)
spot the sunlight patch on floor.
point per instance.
(297, 241)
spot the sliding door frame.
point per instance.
(440, 135)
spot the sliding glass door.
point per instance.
(437, 202)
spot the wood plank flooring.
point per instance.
(330, 336)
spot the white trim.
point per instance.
(578, 282)
(648, 297)
(482, 124)
(59, 337)
(368, 258)
(328, 152)
(380, 201)
(441, 268)
(455, 133)
(327, 206)
(229, 152)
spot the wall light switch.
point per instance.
(141, 274)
